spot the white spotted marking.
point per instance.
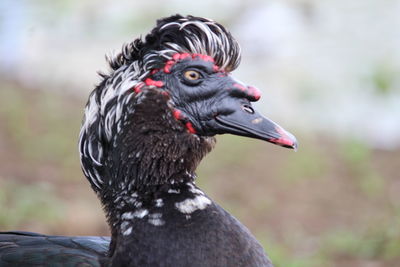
(138, 204)
(190, 205)
(127, 231)
(194, 190)
(140, 213)
(174, 191)
(126, 228)
(159, 203)
(130, 200)
(127, 216)
(155, 219)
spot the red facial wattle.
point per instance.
(151, 82)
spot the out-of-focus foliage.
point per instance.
(28, 204)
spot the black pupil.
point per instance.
(193, 75)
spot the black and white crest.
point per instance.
(179, 34)
(107, 107)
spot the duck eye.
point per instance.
(192, 75)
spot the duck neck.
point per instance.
(149, 174)
(143, 214)
(151, 163)
(151, 155)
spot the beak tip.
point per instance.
(285, 142)
(295, 146)
(286, 139)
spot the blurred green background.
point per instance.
(329, 72)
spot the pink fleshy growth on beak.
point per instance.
(252, 92)
(240, 86)
(255, 92)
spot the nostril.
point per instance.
(248, 108)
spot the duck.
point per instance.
(146, 127)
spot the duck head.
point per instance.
(209, 101)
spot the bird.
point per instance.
(147, 125)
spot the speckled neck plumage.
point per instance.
(152, 162)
